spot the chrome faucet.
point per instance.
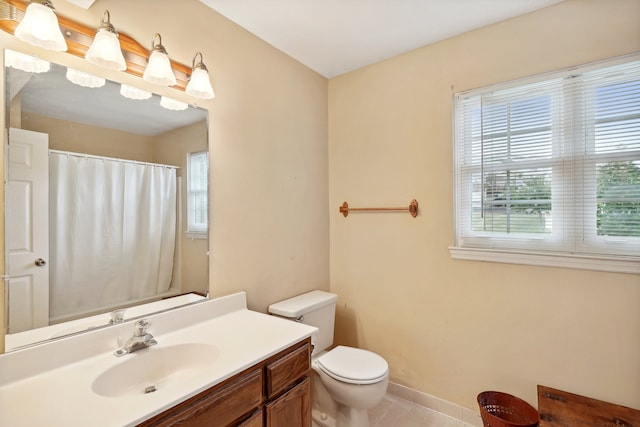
(140, 339)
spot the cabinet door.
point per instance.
(292, 409)
(254, 420)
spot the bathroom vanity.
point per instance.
(277, 390)
(216, 363)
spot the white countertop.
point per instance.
(51, 384)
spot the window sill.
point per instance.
(582, 262)
(192, 235)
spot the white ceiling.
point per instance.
(83, 3)
(333, 37)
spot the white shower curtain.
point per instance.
(112, 232)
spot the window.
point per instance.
(548, 169)
(197, 196)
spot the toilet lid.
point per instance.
(353, 365)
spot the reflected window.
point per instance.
(197, 196)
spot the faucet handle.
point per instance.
(117, 316)
(141, 327)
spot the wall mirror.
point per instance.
(106, 202)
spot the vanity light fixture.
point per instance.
(105, 50)
(158, 69)
(199, 84)
(78, 38)
(40, 27)
(84, 79)
(134, 93)
(173, 104)
(24, 62)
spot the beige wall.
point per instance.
(78, 138)
(268, 144)
(172, 148)
(455, 328)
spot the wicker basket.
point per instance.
(504, 410)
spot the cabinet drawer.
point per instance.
(217, 406)
(287, 370)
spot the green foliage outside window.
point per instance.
(512, 197)
(618, 193)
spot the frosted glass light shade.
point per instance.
(40, 28)
(199, 85)
(159, 70)
(173, 104)
(105, 51)
(134, 93)
(25, 62)
(84, 79)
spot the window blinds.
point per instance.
(197, 192)
(552, 163)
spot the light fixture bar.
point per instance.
(79, 37)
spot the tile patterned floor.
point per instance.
(394, 411)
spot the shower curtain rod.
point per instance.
(115, 159)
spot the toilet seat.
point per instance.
(353, 365)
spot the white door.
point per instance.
(27, 230)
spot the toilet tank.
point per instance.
(315, 308)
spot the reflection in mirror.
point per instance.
(98, 192)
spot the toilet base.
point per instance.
(346, 417)
(326, 412)
(352, 417)
(328, 395)
(322, 419)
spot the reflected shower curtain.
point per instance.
(112, 232)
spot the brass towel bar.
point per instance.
(413, 209)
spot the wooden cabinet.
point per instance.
(286, 370)
(293, 408)
(254, 420)
(289, 406)
(273, 393)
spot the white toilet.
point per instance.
(348, 380)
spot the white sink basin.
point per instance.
(199, 346)
(154, 368)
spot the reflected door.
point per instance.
(27, 230)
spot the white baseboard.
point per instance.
(442, 406)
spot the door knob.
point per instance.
(40, 262)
